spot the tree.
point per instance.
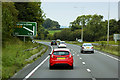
(32, 12)
(9, 19)
(50, 24)
(113, 27)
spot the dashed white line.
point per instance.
(80, 58)
(93, 79)
(88, 70)
(83, 63)
(73, 54)
(78, 55)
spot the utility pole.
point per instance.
(82, 27)
(82, 33)
(108, 22)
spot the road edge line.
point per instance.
(26, 77)
(108, 55)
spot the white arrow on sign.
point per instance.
(29, 29)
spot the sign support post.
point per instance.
(24, 38)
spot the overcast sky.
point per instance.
(65, 11)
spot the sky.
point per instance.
(66, 12)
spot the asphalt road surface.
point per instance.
(97, 66)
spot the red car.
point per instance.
(61, 56)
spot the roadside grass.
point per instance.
(53, 31)
(44, 40)
(110, 42)
(109, 49)
(114, 50)
(13, 56)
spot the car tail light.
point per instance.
(92, 47)
(70, 56)
(51, 56)
(82, 47)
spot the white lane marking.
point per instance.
(80, 58)
(83, 63)
(15, 73)
(73, 54)
(37, 67)
(78, 55)
(88, 70)
(109, 56)
(93, 79)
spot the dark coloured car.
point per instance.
(53, 42)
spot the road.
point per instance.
(97, 66)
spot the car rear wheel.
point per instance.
(81, 51)
(50, 67)
(71, 67)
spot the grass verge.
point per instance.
(53, 31)
(13, 56)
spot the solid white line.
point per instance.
(109, 56)
(88, 70)
(35, 69)
(83, 63)
(37, 66)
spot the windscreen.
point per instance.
(62, 42)
(61, 53)
(87, 45)
(53, 41)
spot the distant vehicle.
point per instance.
(80, 40)
(53, 42)
(61, 56)
(58, 40)
(87, 47)
(62, 44)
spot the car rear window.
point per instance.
(62, 42)
(54, 41)
(87, 45)
(61, 53)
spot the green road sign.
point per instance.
(26, 29)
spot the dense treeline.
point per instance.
(13, 12)
(9, 19)
(94, 28)
(50, 24)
